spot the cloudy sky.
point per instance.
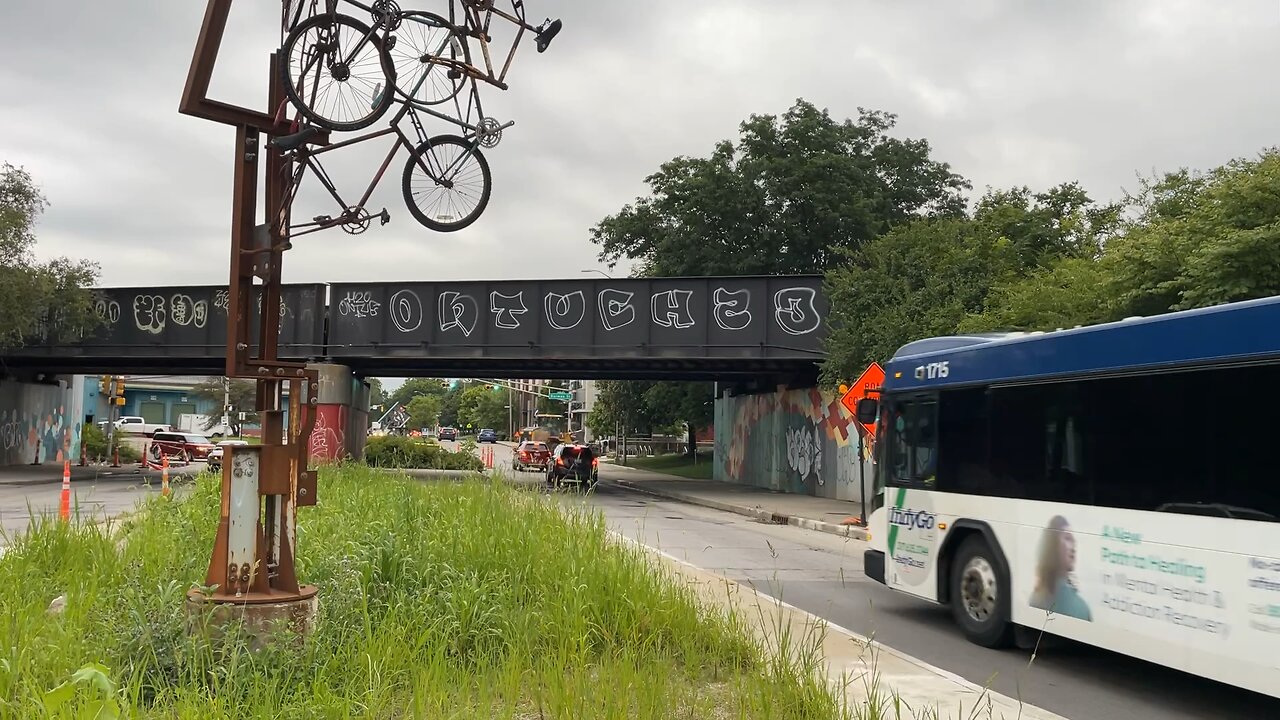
(1009, 92)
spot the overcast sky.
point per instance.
(1009, 92)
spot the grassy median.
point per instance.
(438, 600)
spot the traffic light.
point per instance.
(496, 386)
(117, 388)
(445, 384)
(120, 401)
(104, 385)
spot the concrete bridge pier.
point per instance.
(342, 414)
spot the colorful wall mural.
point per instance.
(800, 441)
(40, 423)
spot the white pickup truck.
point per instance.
(134, 425)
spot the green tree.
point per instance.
(424, 411)
(377, 395)
(1191, 240)
(243, 397)
(791, 194)
(621, 405)
(689, 403)
(417, 386)
(482, 407)
(937, 276)
(1202, 239)
(37, 299)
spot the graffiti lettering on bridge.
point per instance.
(458, 311)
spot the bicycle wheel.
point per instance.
(421, 39)
(453, 188)
(331, 85)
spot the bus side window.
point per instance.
(913, 441)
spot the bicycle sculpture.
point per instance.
(343, 74)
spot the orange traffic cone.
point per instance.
(64, 504)
(164, 475)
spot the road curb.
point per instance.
(758, 513)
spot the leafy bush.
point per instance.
(96, 450)
(392, 451)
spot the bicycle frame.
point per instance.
(354, 214)
(478, 28)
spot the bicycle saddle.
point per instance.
(289, 143)
(547, 34)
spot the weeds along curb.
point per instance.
(758, 513)
(878, 682)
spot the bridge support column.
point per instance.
(342, 414)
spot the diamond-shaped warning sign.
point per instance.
(871, 379)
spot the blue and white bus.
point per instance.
(1116, 484)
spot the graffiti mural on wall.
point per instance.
(800, 441)
(38, 423)
(329, 436)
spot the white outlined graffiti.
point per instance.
(221, 299)
(359, 304)
(107, 310)
(671, 308)
(284, 307)
(200, 313)
(406, 310)
(566, 312)
(794, 310)
(149, 313)
(731, 308)
(616, 310)
(506, 309)
(181, 308)
(458, 311)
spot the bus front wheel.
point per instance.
(980, 594)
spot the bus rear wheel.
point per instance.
(980, 594)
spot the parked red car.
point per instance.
(180, 445)
(530, 455)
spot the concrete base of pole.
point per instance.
(262, 623)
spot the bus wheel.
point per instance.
(980, 594)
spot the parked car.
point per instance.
(135, 425)
(448, 433)
(572, 462)
(530, 454)
(188, 446)
(217, 453)
(487, 435)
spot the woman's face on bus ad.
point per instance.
(1067, 546)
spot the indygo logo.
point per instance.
(912, 519)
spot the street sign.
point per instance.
(869, 381)
(560, 395)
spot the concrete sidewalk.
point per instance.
(47, 473)
(837, 517)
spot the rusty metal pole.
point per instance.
(252, 565)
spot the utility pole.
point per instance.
(226, 404)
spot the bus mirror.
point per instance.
(868, 408)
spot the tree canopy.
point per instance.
(243, 396)
(785, 199)
(37, 298)
(1024, 261)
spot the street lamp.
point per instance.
(593, 270)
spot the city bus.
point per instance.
(1115, 484)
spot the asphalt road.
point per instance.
(98, 499)
(823, 574)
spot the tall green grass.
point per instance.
(437, 600)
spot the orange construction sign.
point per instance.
(868, 382)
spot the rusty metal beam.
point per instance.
(253, 559)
